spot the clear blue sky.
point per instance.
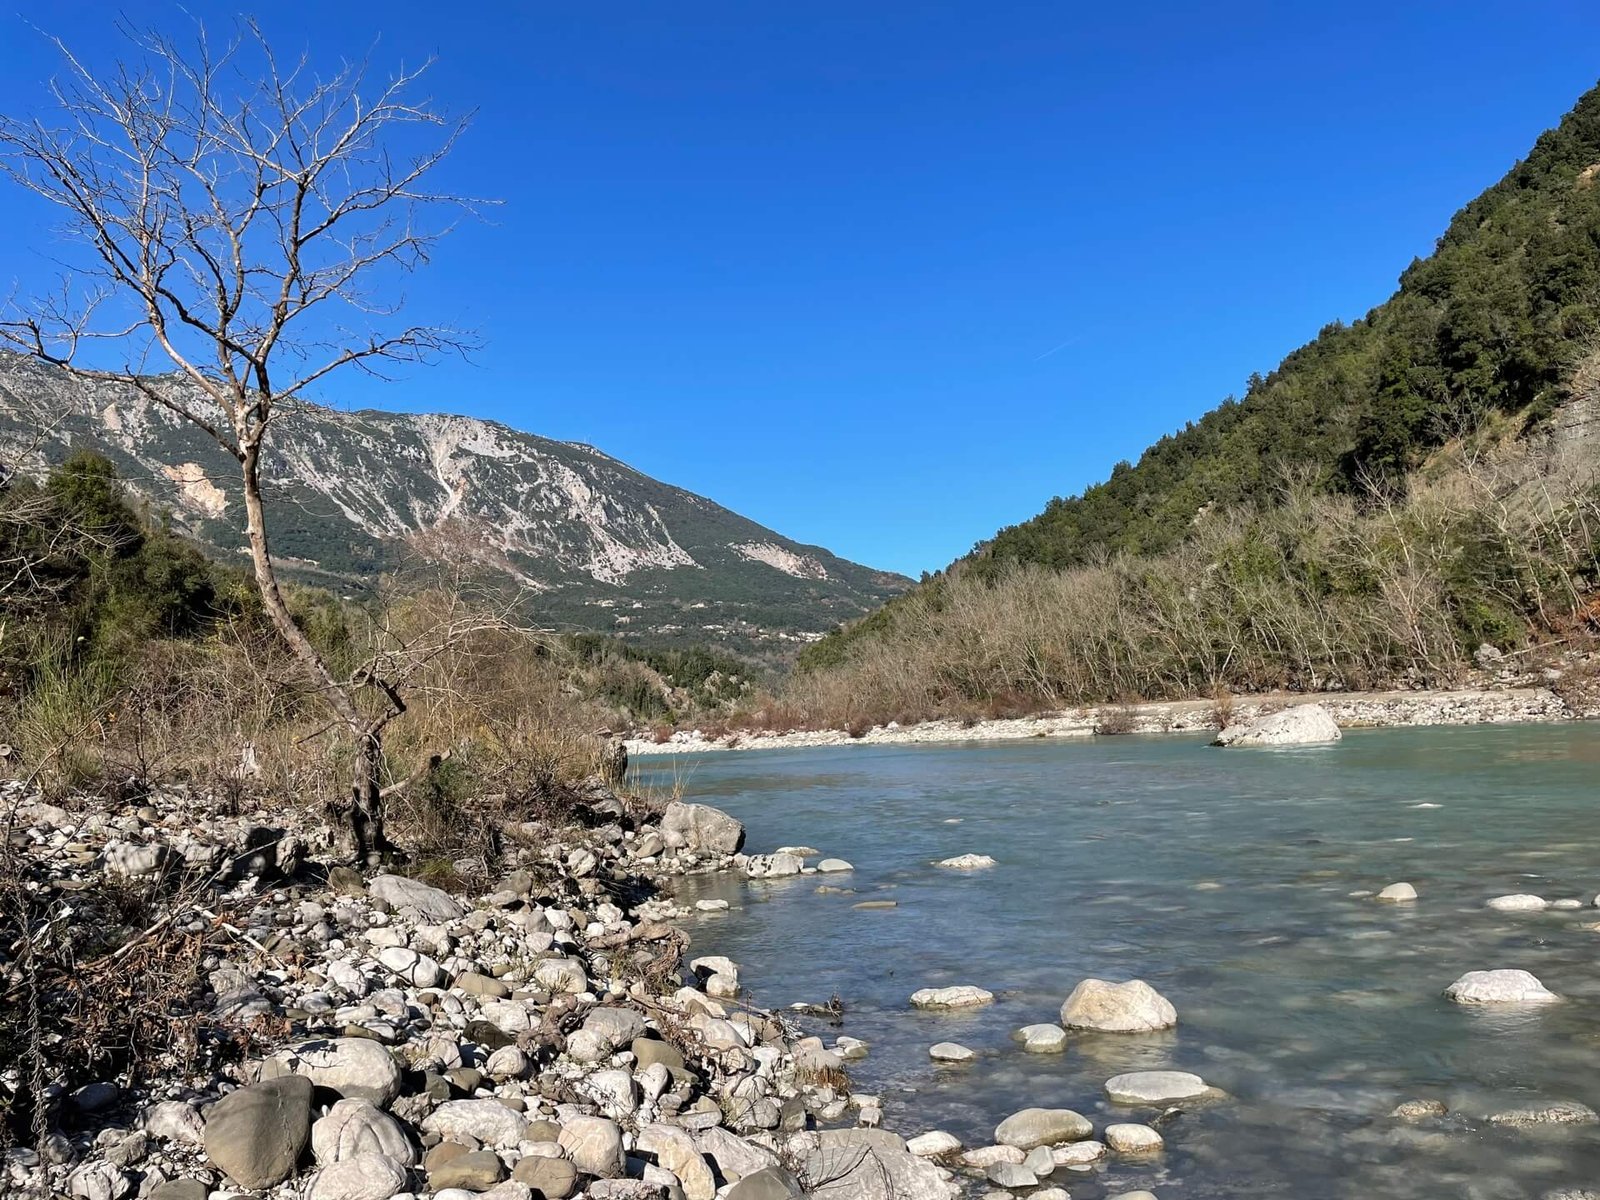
(887, 276)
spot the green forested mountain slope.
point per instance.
(1492, 321)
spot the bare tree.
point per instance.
(245, 224)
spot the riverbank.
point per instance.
(201, 1001)
(1474, 706)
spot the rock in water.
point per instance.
(1556, 1112)
(1398, 893)
(950, 1052)
(257, 1133)
(964, 996)
(1131, 1007)
(701, 829)
(1042, 1127)
(1302, 725)
(1133, 1139)
(1522, 902)
(1156, 1087)
(1499, 987)
(977, 862)
(933, 1143)
(1041, 1039)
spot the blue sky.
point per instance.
(888, 276)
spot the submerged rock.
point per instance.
(1301, 725)
(1499, 987)
(962, 996)
(1156, 1087)
(1041, 1039)
(1558, 1112)
(1418, 1110)
(977, 862)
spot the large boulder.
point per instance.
(356, 1068)
(735, 1157)
(355, 1127)
(873, 1164)
(594, 1144)
(1302, 725)
(1499, 987)
(256, 1134)
(415, 899)
(675, 1150)
(1131, 1007)
(701, 829)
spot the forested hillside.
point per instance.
(1491, 324)
(1395, 496)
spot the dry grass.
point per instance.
(1320, 593)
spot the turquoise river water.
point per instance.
(1233, 882)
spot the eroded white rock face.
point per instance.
(1130, 1007)
(1503, 986)
(1302, 725)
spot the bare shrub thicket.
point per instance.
(490, 718)
(1318, 593)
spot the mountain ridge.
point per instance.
(353, 493)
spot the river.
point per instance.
(1238, 883)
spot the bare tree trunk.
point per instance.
(365, 813)
(367, 837)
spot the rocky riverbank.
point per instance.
(205, 1006)
(1475, 706)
